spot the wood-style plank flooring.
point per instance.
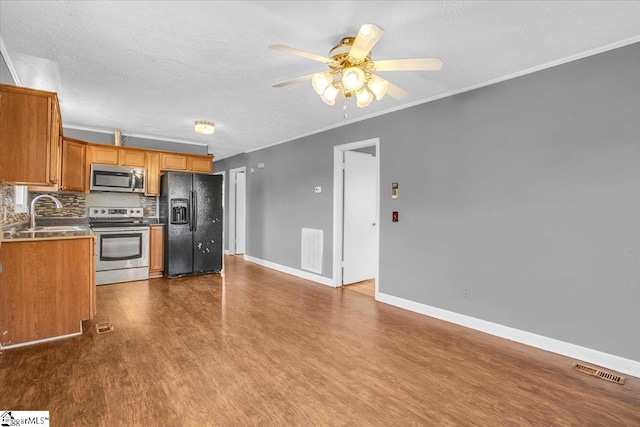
(259, 347)
(367, 287)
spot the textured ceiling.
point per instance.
(153, 68)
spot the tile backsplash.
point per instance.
(73, 205)
(7, 200)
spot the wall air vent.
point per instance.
(605, 375)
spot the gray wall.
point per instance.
(5, 74)
(134, 141)
(527, 192)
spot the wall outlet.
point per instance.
(467, 293)
(260, 165)
(318, 189)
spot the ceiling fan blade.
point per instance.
(293, 81)
(396, 92)
(414, 64)
(287, 49)
(366, 39)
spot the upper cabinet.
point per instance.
(173, 161)
(203, 164)
(153, 173)
(114, 155)
(74, 166)
(30, 137)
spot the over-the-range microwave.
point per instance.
(117, 178)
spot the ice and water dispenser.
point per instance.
(179, 211)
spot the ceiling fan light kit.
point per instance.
(204, 127)
(352, 69)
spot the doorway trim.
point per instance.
(232, 208)
(224, 210)
(338, 206)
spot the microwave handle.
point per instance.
(133, 180)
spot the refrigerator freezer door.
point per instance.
(207, 235)
(179, 242)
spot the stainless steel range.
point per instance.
(122, 244)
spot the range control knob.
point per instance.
(137, 211)
(102, 211)
(95, 211)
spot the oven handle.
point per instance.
(119, 230)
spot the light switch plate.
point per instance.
(318, 189)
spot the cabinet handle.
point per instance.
(54, 180)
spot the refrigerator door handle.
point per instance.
(195, 211)
(190, 210)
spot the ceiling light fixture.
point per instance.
(348, 77)
(204, 127)
(351, 70)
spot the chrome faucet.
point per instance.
(32, 211)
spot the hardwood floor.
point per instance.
(259, 347)
(366, 287)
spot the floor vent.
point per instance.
(104, 327)
(590, 370)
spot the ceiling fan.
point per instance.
(352, 69)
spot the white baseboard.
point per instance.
(226, 252)
(294, 272)
(596, 357)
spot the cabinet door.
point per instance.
(153, 173)
(44, 288)
(73, 166)
(171, 161)
(127, 157)
(55, 148)
(200, 164)
(25, 136)
(156, 251)
(104, 154)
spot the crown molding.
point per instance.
(531, 70)
(12, 69)
(134, 134)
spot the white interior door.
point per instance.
(241, 212)
(359, 241)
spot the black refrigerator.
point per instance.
(191, 211)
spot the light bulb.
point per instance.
(329, 94)
(353, 78)
(378, 86)
(363, 98)
(320, 81)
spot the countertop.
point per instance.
(19, 232)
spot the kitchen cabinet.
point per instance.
(131, 157)
(47, 288)
(30, 137)
(186, 162)
(202, 164)
(114, 155)
(173, 161)
(74, 170)
(156, 250)
(152, 160)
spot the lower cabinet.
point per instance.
(156, 251)
(46, 288)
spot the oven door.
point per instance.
(119, 248)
